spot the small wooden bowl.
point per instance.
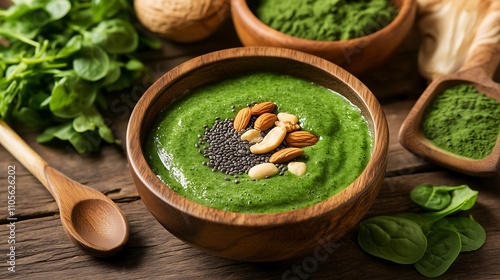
(256, 237)
(357, 55)
(478, 70)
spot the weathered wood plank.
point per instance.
(44, 251)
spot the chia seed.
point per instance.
(227, 153)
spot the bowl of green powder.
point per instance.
(456, 121)
(356, 35)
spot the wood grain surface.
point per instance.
(44, 252)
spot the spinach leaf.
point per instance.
(102, 9)
(134, 65)
(57, 9)
(81, 19)
(35, 114)
(443, 248)
(115, 36)
(91, 120)
(472, 234)
(432, 198)
(71, 96)
(124, 81)
(113, 74)
(461, 199)
(91, 63)
(392, 238)
(6, 98)
(31, 117)
(445, 237)
(74, 44)
(14, 12)
(80, 141)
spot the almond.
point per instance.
(285, 155)
(242, 119)
(301, 139)
(265, 121)
(264, 107)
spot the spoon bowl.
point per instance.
(110, 237)
(92, 221)
(477, 70)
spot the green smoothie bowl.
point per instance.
(258, 153)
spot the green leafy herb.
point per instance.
(115, 36)
(392, 238)
(59, 58)
(91, 62)
(432, 198)
(435, 238)
(472, 234)
(462, 199)
(71, 96)
(443, 248)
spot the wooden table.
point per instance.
(44, 252)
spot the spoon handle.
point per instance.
(13, 143)
(484, 58)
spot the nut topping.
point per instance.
(229, 151)
(262, 170)
(242, 119)
(270, 142)
(297, 168)
(301, 139)
(261, 108)
(285, 117)
(288, 125)
(285, 155)
(265, 121)
(252, 136)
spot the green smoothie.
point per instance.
(333, 163)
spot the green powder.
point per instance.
(326, 20)
(463, 121)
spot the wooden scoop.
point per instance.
(478, 70)
(91, 220)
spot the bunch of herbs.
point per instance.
(59, 58)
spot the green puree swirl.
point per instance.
(333, 163)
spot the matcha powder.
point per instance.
(326, 20)
(463, 121)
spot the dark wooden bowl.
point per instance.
(357, 55)
(256, 237)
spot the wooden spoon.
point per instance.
(90, 219)
(478, 70)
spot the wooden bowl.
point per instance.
(357, 55)
(478, 70)
(256, 237)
